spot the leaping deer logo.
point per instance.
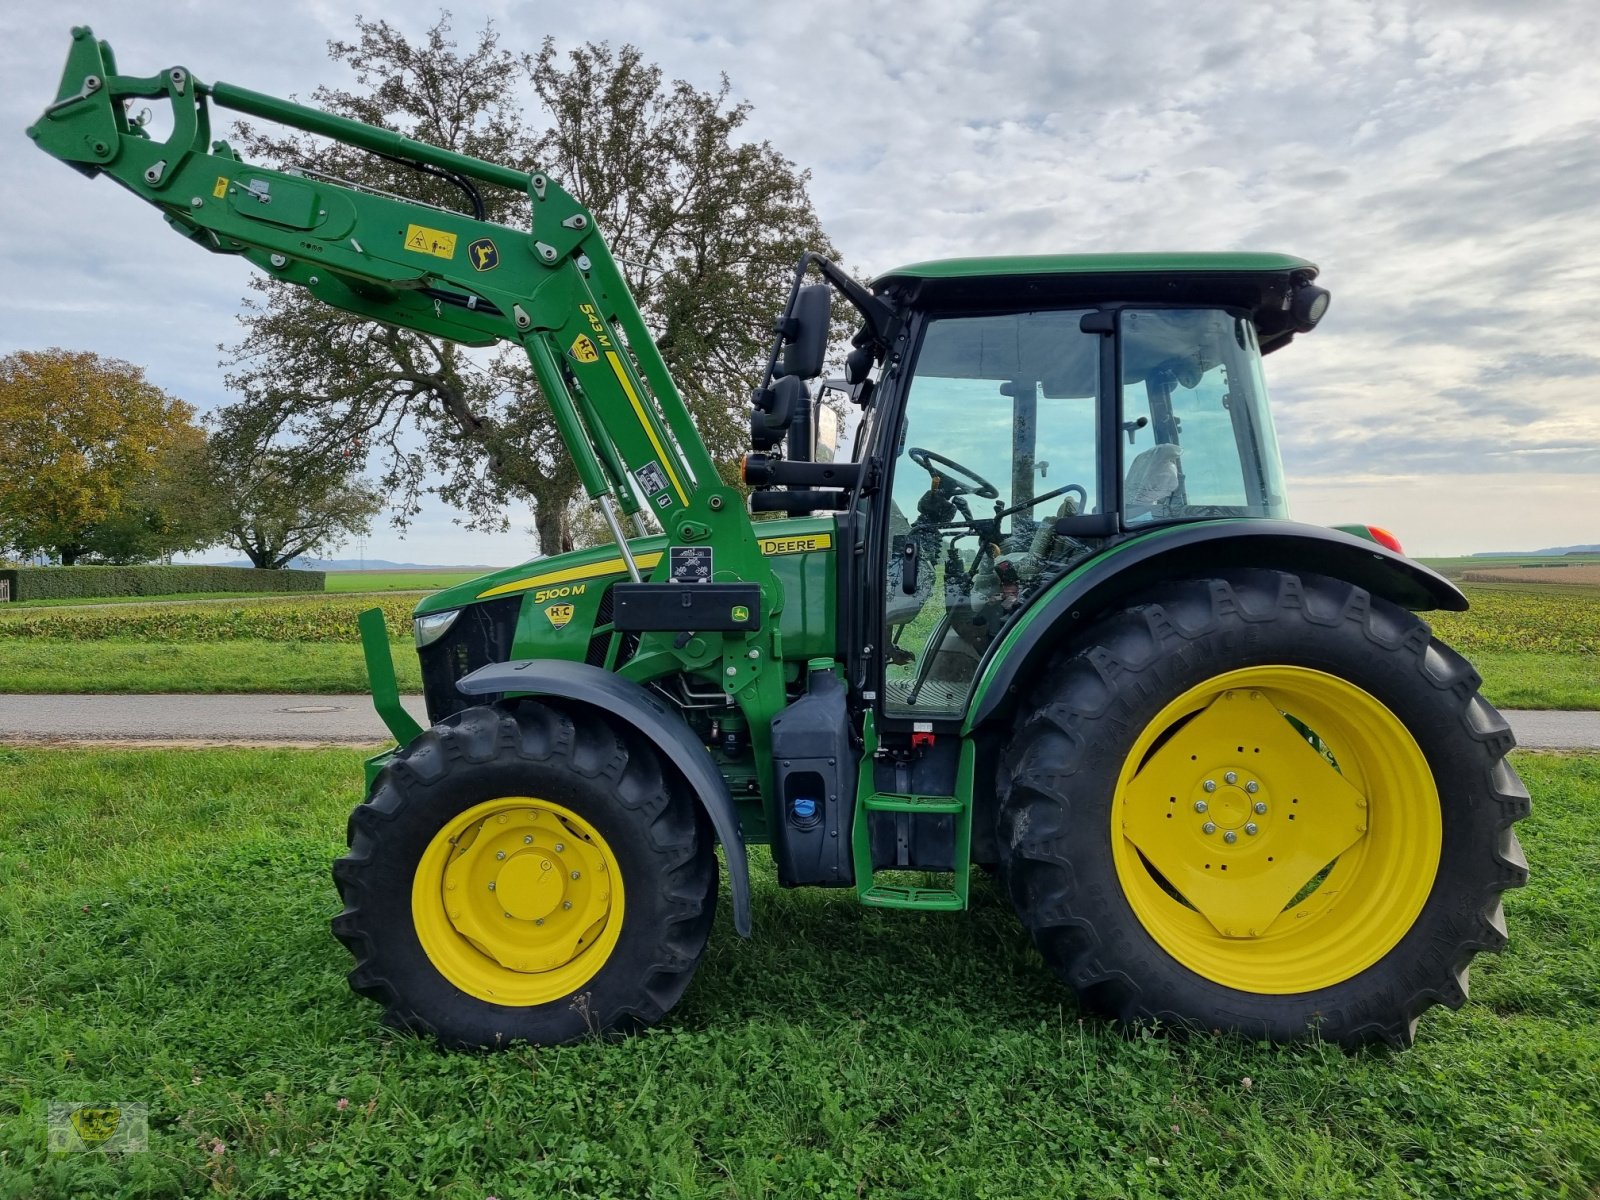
(485, 257)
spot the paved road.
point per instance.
(261, 718)
(325, 719)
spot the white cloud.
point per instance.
(1437, 161)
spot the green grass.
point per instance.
(46, 667)
(397, 581)
(167, 943)
(1513, 679)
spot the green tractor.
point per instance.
(1047, 616)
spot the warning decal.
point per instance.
(651, 478)
(691, 564)
(436, 242)
(221, 188)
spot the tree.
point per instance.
(277, 504)
(169, 510)
(707, 229)
(85, 439)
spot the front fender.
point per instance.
(663, 728)
(1188, 551)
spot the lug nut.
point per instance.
(528, 840)
(1209, 827)
(499, 853)
(1252, 787)
(1210, 785)
(1201, 806)
(491, 887)
(1251, 828)
(538, 921)
(1230, 837)
(1260, 806)
(559, 847)
(566, 904)
(575, 874)
(1231, 777)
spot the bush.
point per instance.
(87, 583)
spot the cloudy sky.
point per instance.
(1440, 161)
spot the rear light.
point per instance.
(1384, 538)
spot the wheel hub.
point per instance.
(1227, 853)
(526, 889)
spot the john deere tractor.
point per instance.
(1047, 615)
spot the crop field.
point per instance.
(1586, 575)
(1456, 568)
(302, 619)
(167, 945)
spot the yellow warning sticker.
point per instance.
(583, 349)
(559, 614)
(796, 545)
(430, 241)
(221, 188)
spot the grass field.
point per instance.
(398, 581)
(216, 668)
(1537, 647)
(168, 945)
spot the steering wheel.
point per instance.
(972, 483)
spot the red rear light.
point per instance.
(1384, 538)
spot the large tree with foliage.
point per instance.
(274, 505)
(707, 228)
(88, 448)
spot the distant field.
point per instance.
(397, 581)
(1568, 575)
(1456, 568)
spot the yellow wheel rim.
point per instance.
(518, 901)
(1260, 859)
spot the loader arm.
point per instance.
(556, 291)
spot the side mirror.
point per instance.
(775, 410)
(805, 332)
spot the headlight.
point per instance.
(434, 626)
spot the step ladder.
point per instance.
(870, 800)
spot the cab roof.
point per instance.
(1260, 284)
(1164, 262)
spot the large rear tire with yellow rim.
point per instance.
(524, 872)
(1265, 803)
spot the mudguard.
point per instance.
(653, 720)
(1076, 599)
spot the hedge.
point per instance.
(87, 583)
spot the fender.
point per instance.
(1076, 599)
(651, 719)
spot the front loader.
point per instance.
(1048, 616)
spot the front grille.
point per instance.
(481, 635)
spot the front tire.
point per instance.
(523, 872)
(1264, 803)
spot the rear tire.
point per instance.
(1404, 793)
(607, 865)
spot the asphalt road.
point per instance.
(321, 720)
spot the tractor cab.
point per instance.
(1019, 441)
